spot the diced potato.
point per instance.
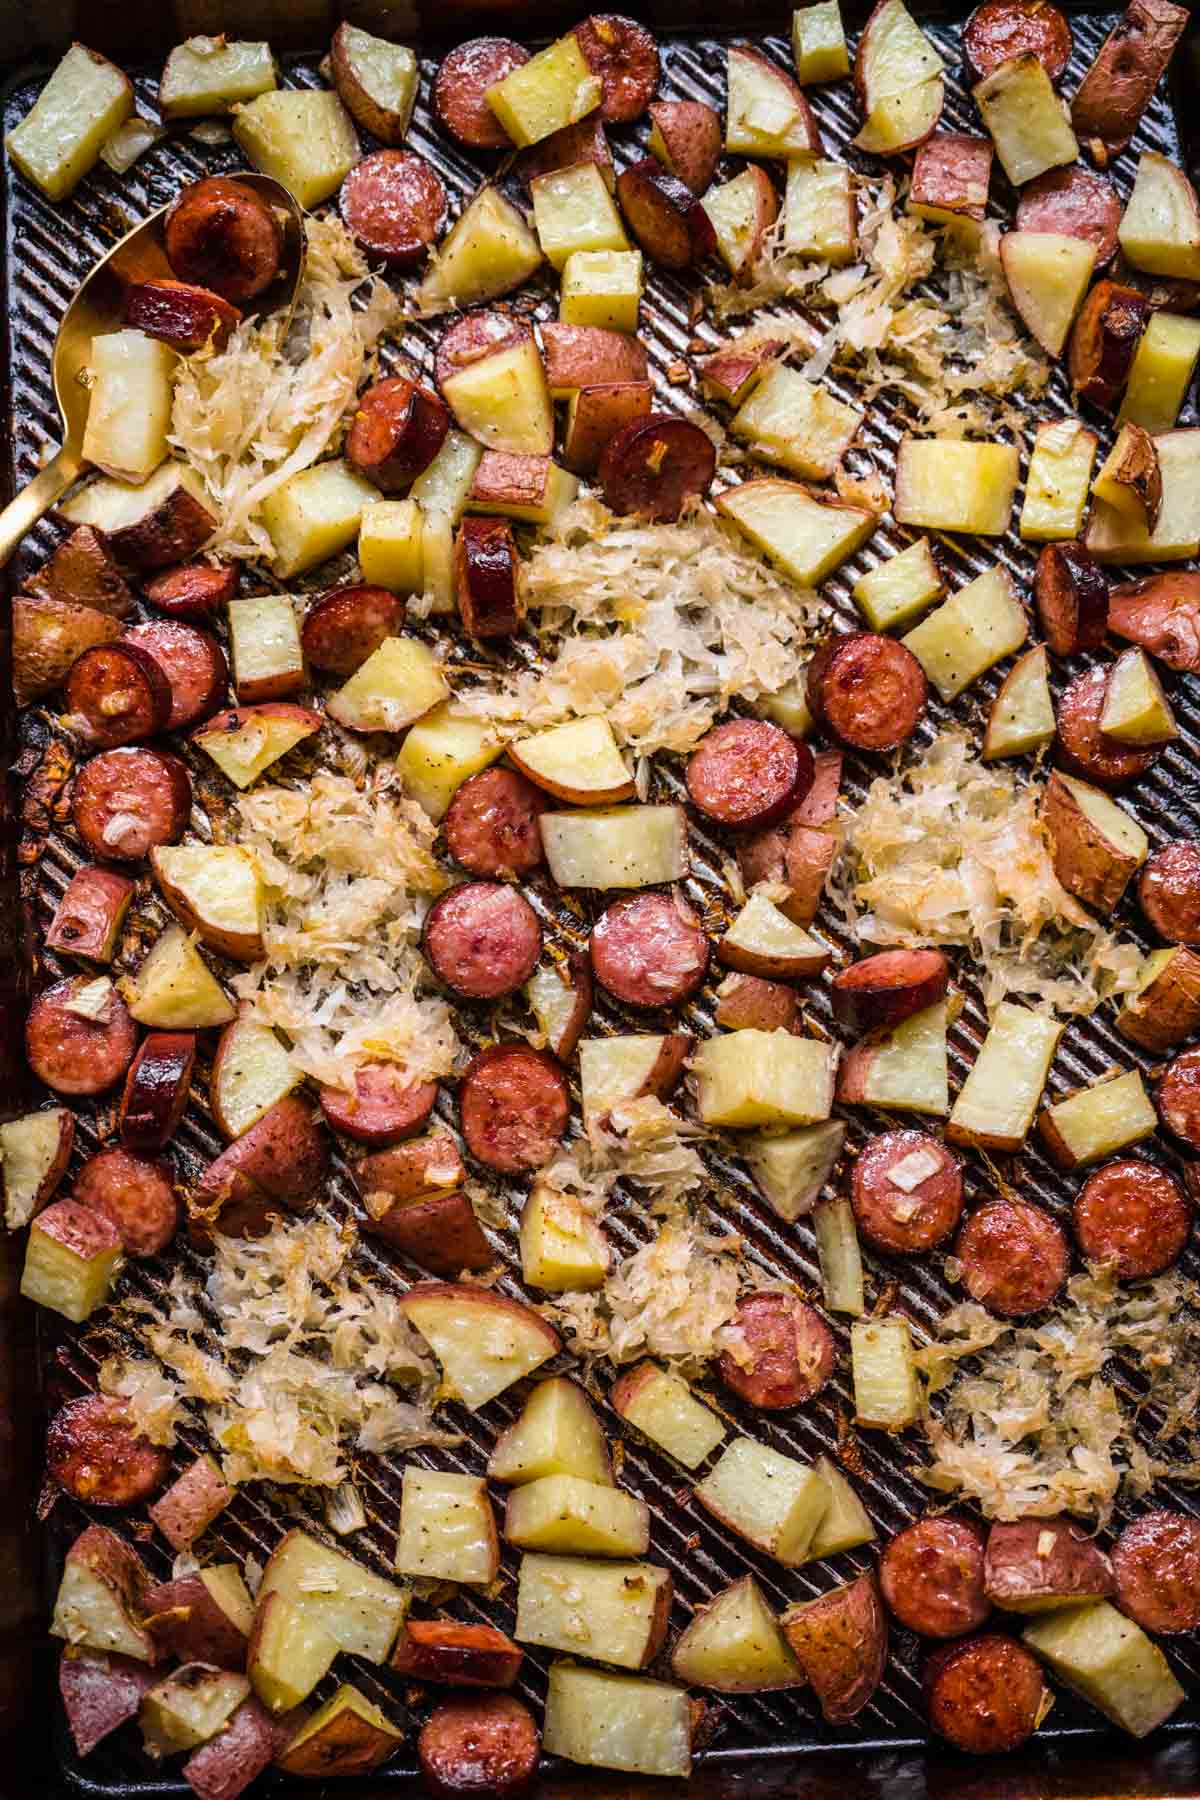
(1163, 366)
(101, 1597)
(661, 1405)
(174, 989)
(264, 644)
(447, 1528)
(741, 212)
(887, 1395)
(764, 1078)
(488, 252)
(389, 545)
(807, 536)
(613, 1070)
(764, 941)
(1111, 1662)
(559, 997)
(164, 520)
(483, 1340)
(345, 1736)
(397, 685)
(553, 89)
(614, 1612)
(1114, 537)
(895, 591)
(898, 74)
(530, 488)
(578, 761)
(574, 211)
(188, 1707)
(1164, 1007)
(995, 1107)
(788, 706)
(595, 414)
(1136, 710)
(734, 1645)
(63, 133)
(212, 75)
(303, 137)
(794, 422)
(845, 1523)
(185, 1510)
(905, 1067)
(1098, 1121)
(567, 1514)
(440, 752)
(361, 1611)
(557, 1433)
(1030, 125)
(1056, 485)
(246, 741)
(1129, 479)
(129, 406)
(1048, 275)
(839, 1257)
(72, 1255)
(1160, 228)
(563, 1248)
(290, 1650)
(34, 1151)
(215, 890)
(765, 114)
(792, 1167)
(444, 486)
(1021, 718)
(772, 1501)
(503, 400)
(377, 81)
(315, 513)
(819, 43)
(437, 557)
(821, 212)
(616, 846)
(617, 1721)
(980, 625)
(948, 484)
(601, 287)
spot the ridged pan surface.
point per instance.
(49, 249)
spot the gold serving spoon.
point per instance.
(97, 306)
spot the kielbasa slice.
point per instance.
(748, 773)
(397, 430)
(1133, 1214)
(1179, 1098)
(348, 624)
(125, 802)
(460, 90)
(1082, 748)
(116, 694)
(487, 578)
(931, 1574)
(985, 1696)
(393, 204)
(385, 1106)
(88, 918)
(1001, 29)
(193, 663)
(186, 317)
(193, 592)
(94, 1453)
(786, 1355)
(1104, 340)
(76, 1052)
(1156, 1561)
(514, 1106)
(750, 1003)
(1073, 202)
(446, 1650)
(1014, 1257)
(222, 235)
(482, 939)
(652, 467)
(649, 950)
(482, 1744)
(883, 990)
(1169, 892)
(136, 1194)
(156, 1089)
(906, 1192)
(664, 215)
(625, 57)
(492, 824)
(867, 691)
(1070, 591)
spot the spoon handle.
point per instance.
(36, 498)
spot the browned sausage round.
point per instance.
(346, 625)
(917, 1209)
(1169, 892)
(1162, 614)
(664, 215)
(1071, 593)
(393, 204)
(460, 90)
(492, 824)
(474, 336)
(193, 591)
(193, 663)
(482, 939)
(1014, 1257)
(398, 428)
(883, 990)
(117, 693)
(125, 802)
(1156, 1561)
(649, 950)
(867, 691)
(1179, 1098)
(384, 1107)
(1073, 202)
(748, 1003)
(136, 1194)
(186, 317)
(485, 1745)
(1104, 339)
(625, 57)
(514, 1105)
(94, 1453)
(487, 578)
(748, 773)
(73, 1053)
(932, 1576)
(221, 235)
(985, 1696)
(156, 1089)
(652, 466)
(1134, 1215)
(786, 1354)
(1082, 748)
(1001, 29)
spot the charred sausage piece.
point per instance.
(1104, 339)
(384, 1107)
(221, 235)
(125, 802)
(94, 1453)
(186, 317)
(193, 663)
(664, 215)
(931, 1574)
(492, 824)
(985, 1696)
(867, 691)
(786, 1356)
(906, 1192)
(487, 578)
(460, 90)
(649, 950)
(482, 939)
(480, 1745)
(88, 919)
(514, 1105)
(651, 467)
(80, 1051)
(1179, 1098)
(1156, 1561)
(749, 1003)
(116, 694)
(1082, 748)
(136, 1194)
(1001, 29)
(194, 592)
(393, 204)
(748, 773)
(445, 1650)
(1116, 90)
(1071, 593)
(397, 430)
(1073, 202)
(1134, 1215)
(1162, 614)
(883, 990)
(1169, 892)
(1014, 1257)
(625, 57)
(348, 624)
(156, 1089)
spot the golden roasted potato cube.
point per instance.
(1114, 537)
(898, 589)
(290, 1650)
(189, 1706)
(772, 1501)
(389, 545)
(437, 554)
(174, 989)
(488, 252)
(1163, 366)
(585, 1518)
(615, 1612)
(213, 75)
(71, 1258)
(741, 212)
(34, 1151)
(1160, 228)
(898, 74)
(553, 89)
(1111, 1662)
(787, 706)
(574, 211)
(792, 421)
(439, 753)
(601, 287)
(1098, 1121)
(530, 488)
(361, 1611)
(303, 137)
(215, 890)
(980, 625)
(315, 513)
(734, 1645)
(948, 484)
(616, 846)
(905, 1067)
(563, 1248)
(443, 487)
(1136, 710)
(377, 81)
(996, 1104)
(129, 406)
(1056, 486)
(792, 1167)
(887, 1395)
(397, 685)
(63, 133)
(821, 212)
(483, 1340)
(1021, 718)
(1164, 1007)
(246, 741)
(102, 1596)
(764, 1078)
(807, 536)
(557, 1433)
(1097, 847)
(251, 1073)
(503, 400)
(1030, 125)
(1048, 274)
(765, 112)
(264, 647)
(346, 1736)
(447, 1528)
(661, 1405)
(819, 43)
(617, 1721)
(845, 1523)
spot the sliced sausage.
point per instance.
(186, 317)
(649, 950)
(397, 430)
(487, 578)
(1179, 1098)
(748, 773)
(460, 90)
(223, 236)
(1104, 339)
(1001, 29)
(664, 215)
(73, 1052)
(1134, 1215)
(1116, 90)
(514, 1105)
(393, 204)
(482, 1744)
(135, 1194)
(446, 1650)
(384, 1107)
(867, 691)
(492, 824)
(883, 990)
(1162, 614)
(1073, 202)
(651, 467)
(94, 1453)
(348, 624)
(476, 335)
(785, 1353)
(1169, 892)
(88, 918)
(125, 802)
(1014, 1257)
(625, 57)
(748, 1003)
(1082, 748)
(931, 1574)
(1071, 593)
(985, 1696)
(156, 1089)
(1156, 1561)
(906, 1192)
(193, 591)
(116, 694)
(482, 939)
(193, 663)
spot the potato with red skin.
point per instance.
(100, 1693)
(1116, 90)
(226, 1764)
(1104, 339)
(841, 1642)
(1162, 614)
(87, 921)
(931, 1574)
(790, 1348)
(83, 572)
(278, 1165)
(1073, 202)
(690, 135)
(597, 415)
(440, 1233)
(1035, 1565)
(186, 1620)
(447, 1651)
(194, 1499)
(578, 356)
(582, 142)
(748, 1003)
(48, 636)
